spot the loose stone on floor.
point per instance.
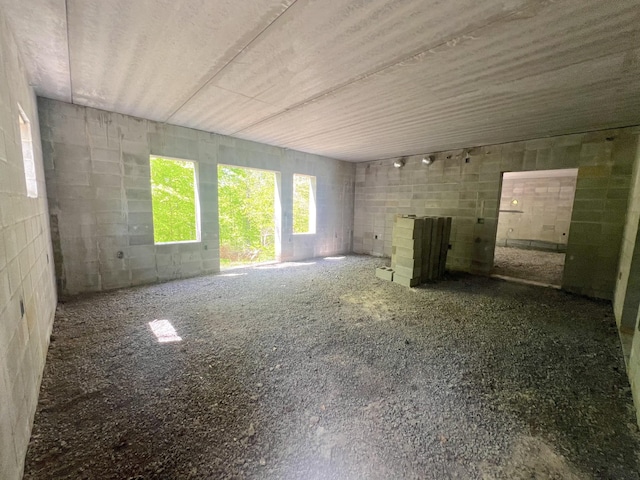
(319, 370)
(534, 265)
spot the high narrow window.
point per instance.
(174, 195)
(304, 204)
(27, 154)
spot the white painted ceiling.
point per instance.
(355, 80)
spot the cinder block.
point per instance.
(426, 248)
(436, 240)
(405, 281)
(444, 249)
(408, 272)
(385, 273)
(143, 275)
(435, 247)
(142, 262)
(406, 233)
(406, 222)
(408, 262)
(407, 252)
(409, 243)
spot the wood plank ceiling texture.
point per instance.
(354, 80)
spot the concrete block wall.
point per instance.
(543, 211)
(466, 185)
(27, 284)
(626, 300)
(633, 368)
(335, 185)
(98, 177)
(627, 293)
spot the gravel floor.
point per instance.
(546, 267)
(318, 370)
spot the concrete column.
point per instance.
(285, 187)
(277, 205)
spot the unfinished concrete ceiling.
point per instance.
(355, 80)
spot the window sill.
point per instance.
(180, 242)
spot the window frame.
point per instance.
(312, 227)
(196, 194)
(28, 156)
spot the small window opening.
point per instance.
(27, 154)
(174, 195)
(304, 204)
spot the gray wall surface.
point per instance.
(626, 300)
(633, 369)
(26, 266)
(543, 211)
(98, 179)
(469, 191)
(627, 295)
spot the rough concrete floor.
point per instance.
(318, 370)
(545, 267)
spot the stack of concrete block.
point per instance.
(437, 231)
(407, 245)
(419, 249)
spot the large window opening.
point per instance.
(304, 204)
(533, 224)
(174, 195)
(246, 211)
(27, 154)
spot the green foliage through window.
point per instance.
(246, 207)
(173, 194)
(303, 204)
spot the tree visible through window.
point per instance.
(174, 200)
(246, 205)
(304, 204)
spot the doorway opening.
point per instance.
(533, 225)
(246, 212)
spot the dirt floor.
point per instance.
(545, 267)
(318, 370)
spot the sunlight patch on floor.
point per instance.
(284, 265)
(164, 331)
